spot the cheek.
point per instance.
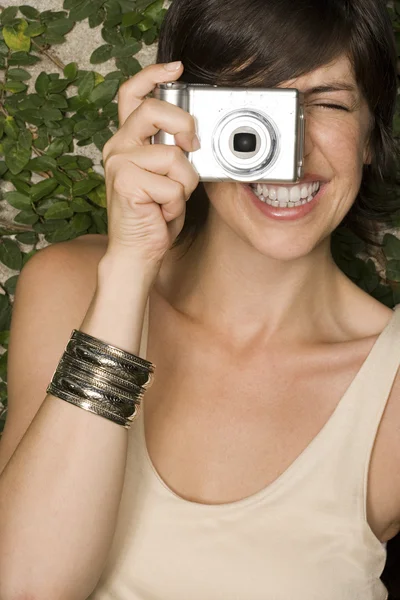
(220, 193)
(341, 141)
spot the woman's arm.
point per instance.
(60, 491)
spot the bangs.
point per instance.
(270, 43)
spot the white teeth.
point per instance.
(283, 196)
(286, 197)
(273, 194)
(295, 194)
(304, 191)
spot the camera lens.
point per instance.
(245, 142)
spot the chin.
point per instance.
(284, 248)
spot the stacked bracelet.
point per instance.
(101, 378)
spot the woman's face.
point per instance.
(336, 149)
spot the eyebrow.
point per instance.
(338, 86)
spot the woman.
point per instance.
(264, 461)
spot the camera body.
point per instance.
(246, 134)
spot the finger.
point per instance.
(132, 93)
(167, 161)
(151, 117)
(142, 187)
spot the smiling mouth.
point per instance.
(286, 197)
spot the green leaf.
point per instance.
(27, 237)
(60, 26)
(97, 18)
(27, 217)
(18, 200)
(5, 321)
(42, 84)
(52, 225)
(99, 222)
(56, 101)
(18, 74)
(16, 157)
(84, 129)
(33, 116)
(20, 186)
(3, 49)
(15, 87)
(100, 138)
(43, 205)
(8, 15)
(101, 54)
(48, 16)
(10, 254)
(56, 148)
(43, 188)
(68, 4)
(128, 50)
(35, 29)
(29, 11)
(60, 235)
(4, 338)
(80, 223)
(85, 9)
(114, 14)
(23, 59)
(11, 284)
(11, 129)
(393, 270)
(58, 86)
(15, 37)
(128, 66)
(131, 18)
(3, 168)
(150, 36)
(59, 210)
(146, 24)
(68, 161)
(104, 93)
(112, 36)
(391, 246)
(98, 196)
(84, 163)
(86, 85)
(84, 186)
(51, 114)
(71, 70)
(63, 179)
(154, 9)
(25, 139)
(42, 163)
(80, 205)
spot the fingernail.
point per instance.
(195, 143)
(173, 66)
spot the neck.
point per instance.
(229, 287)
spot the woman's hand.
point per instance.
(148, 185)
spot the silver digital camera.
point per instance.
(246, 134)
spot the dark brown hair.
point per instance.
(266, 42)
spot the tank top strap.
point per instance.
(145, 331)
(348, 447)
(371, 387)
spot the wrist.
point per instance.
(127, 271)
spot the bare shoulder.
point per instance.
(53, 294)
(79, 258)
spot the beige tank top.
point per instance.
(303, 537)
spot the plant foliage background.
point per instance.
(53, 127)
